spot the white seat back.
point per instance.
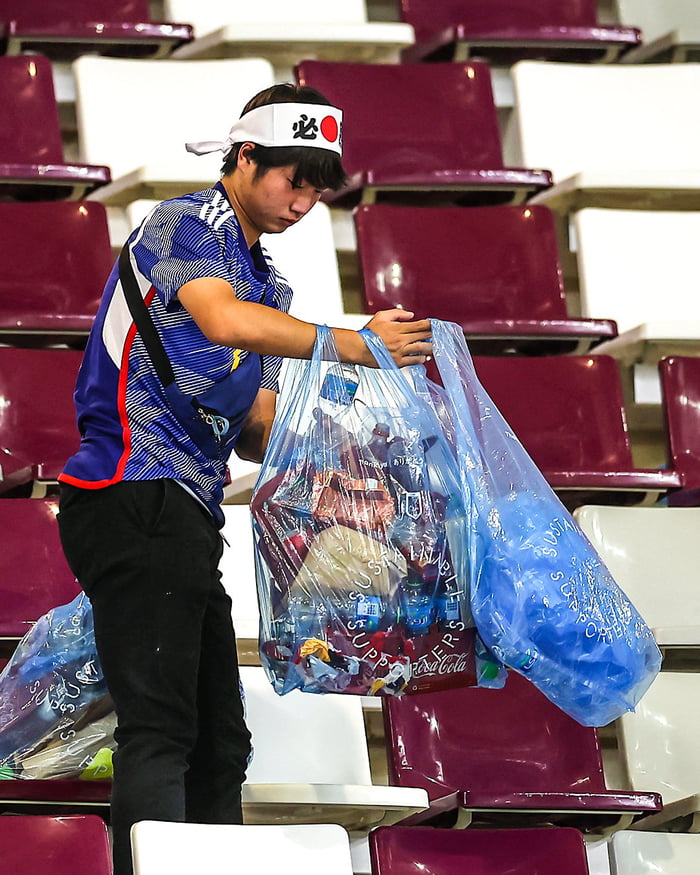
(659, 740)
(302, 738)
(657, 19)
(305, 256)
(237, 568)
(597, 856)
(653, 553)
(638, 266)
(186, 848)
(133, 112)
(655, 853)
(575, 117)
(209, 16)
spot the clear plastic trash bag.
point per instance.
(360, 534)
(544, 603)
(56, 716)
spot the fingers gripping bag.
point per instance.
(360, 534)
(56, 716)
(542, 599)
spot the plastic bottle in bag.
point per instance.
(330, 441)
(338, 388)
(417, 604)
(377, 455)
(359, 612)
(308, 617)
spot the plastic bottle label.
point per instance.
(338, 388)
(368, 607)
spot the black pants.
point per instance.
(146, 553)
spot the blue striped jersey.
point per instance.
(127, 429)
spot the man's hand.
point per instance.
(407, 341)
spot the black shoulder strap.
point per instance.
(144, 323)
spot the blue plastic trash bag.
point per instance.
(56, 716)
(543, 601)
(360, 533)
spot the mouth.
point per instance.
(288, 222)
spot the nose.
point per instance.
(304, 201)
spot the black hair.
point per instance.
(321, 168)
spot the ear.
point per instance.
(245, 161)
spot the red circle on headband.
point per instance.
(329, 128)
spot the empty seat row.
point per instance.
(641, 547)
(568, 412)
(623, 134)
(499, 31)
(493, 270)
(522, 762)
(401, 131)
(78, 845)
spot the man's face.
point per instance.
(272, 203)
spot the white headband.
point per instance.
(282, 124)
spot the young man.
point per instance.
(181, 367)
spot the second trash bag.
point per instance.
(542, 599)
(360, 532)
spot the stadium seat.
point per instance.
(653, 554)
(317, 770)
(503, 31)
(137, 116)
(49, 293)
(62, 31)
(419, 133)
(680, 389)
(659, 742)
(655, 254)
(286, 33)
(492, 270)
(569, 414)
(184, 848)
(59, 796)
(32, 164)
(34, 573)
(670, 30)
(505, 756)
(401, 850)
(612, 135)
(38, 430)
(44, 845)
(654, 853)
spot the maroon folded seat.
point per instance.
(493, 270)
(63, 31)
(400, 850)
(49, 294)
(680, 388)
(77, 845)
(505, 31)
(32, 164)
(508, 756)
(569, 414)
(416, 133)
(38, 430)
